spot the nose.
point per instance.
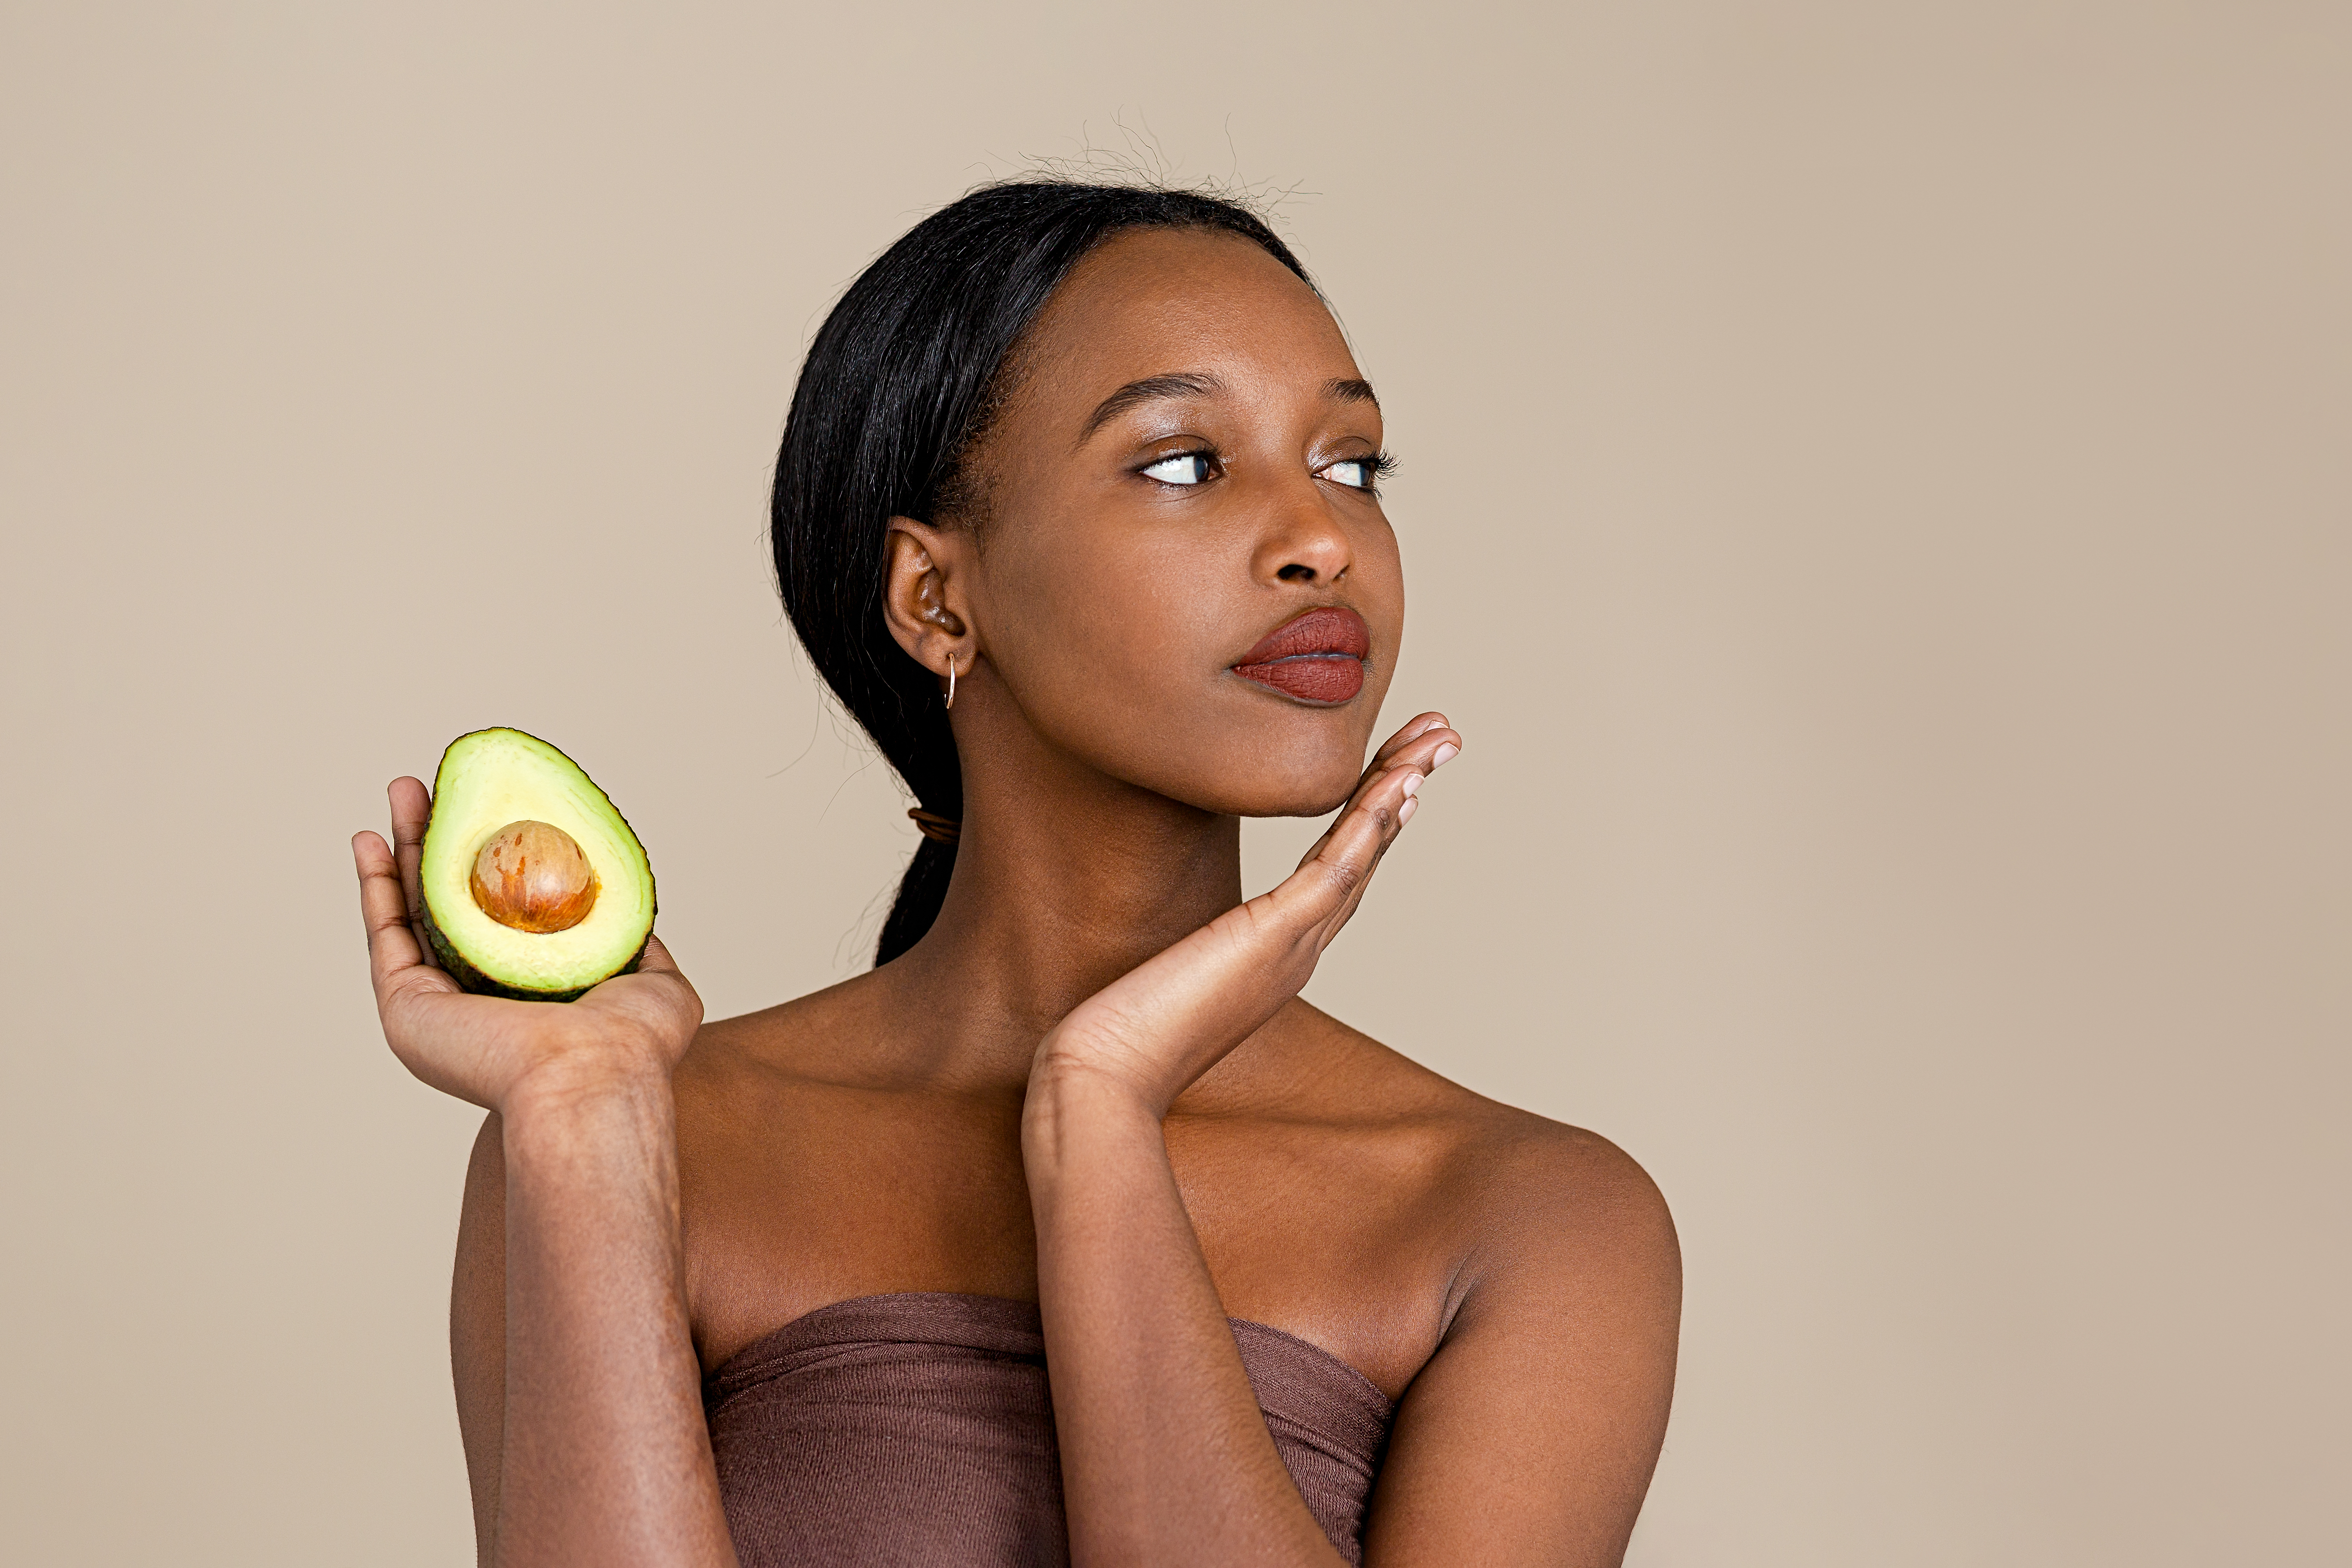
(1303, 542)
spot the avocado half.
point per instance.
(535, 885)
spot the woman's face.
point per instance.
(1183, 576)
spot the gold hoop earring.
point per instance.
(950, 702)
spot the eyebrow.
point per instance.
(1150, 389)
(1186, 383)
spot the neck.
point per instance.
(1064, 879)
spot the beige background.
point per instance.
(1878, 495)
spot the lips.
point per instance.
(1316, 657)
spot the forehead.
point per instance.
(1151, 301)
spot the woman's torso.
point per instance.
(918, 1429)
(1334, 1186)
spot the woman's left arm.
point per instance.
(1532, 1432)
(1165, 1455)
(1529, 1436)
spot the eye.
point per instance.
(1358, 473)
(1181, 469)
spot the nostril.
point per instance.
(1294, 573)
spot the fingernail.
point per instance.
(1446, 751)
(1412, 786)
(1404, 812)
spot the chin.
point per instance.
(1314, 784)
(1305, 762)
(1266, 759)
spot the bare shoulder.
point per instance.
(760, 1097)
(1554, 1345)
(808, 1039)
(1522, 1190)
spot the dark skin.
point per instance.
(1092, 1084)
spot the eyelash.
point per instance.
(1204, 453)
(1377, 467)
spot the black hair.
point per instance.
(897, 387)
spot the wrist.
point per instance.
(1071, 1095)
(1077, 1071)
(583, 1136)
(584, 1074)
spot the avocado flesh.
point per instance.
(488, 781)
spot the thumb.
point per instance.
(655, 960)
(659, 966)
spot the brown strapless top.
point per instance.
(916, 1430)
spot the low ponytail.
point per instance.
(894, 395)
(933, 771)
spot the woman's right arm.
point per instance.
(478, 1329)
(579, 1391)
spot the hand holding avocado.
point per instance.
(534, 885)
(517, 881)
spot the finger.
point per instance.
(1330, 883)
(1370, 824)
(1416, 730)
(394, 953)
(657, 963)
(657, 959)
(412, 811)
(1315, 899)
(1426, 744)
(1425, 752)
(1419, 748)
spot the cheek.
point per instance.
(1115, 641)
(1104, 633)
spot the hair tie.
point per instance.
(937, 829)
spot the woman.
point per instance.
(1077, 512)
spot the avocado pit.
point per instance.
(532, 876)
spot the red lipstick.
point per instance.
(1316, 657)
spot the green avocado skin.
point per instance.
(472, 979)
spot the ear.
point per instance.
(926, 595)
